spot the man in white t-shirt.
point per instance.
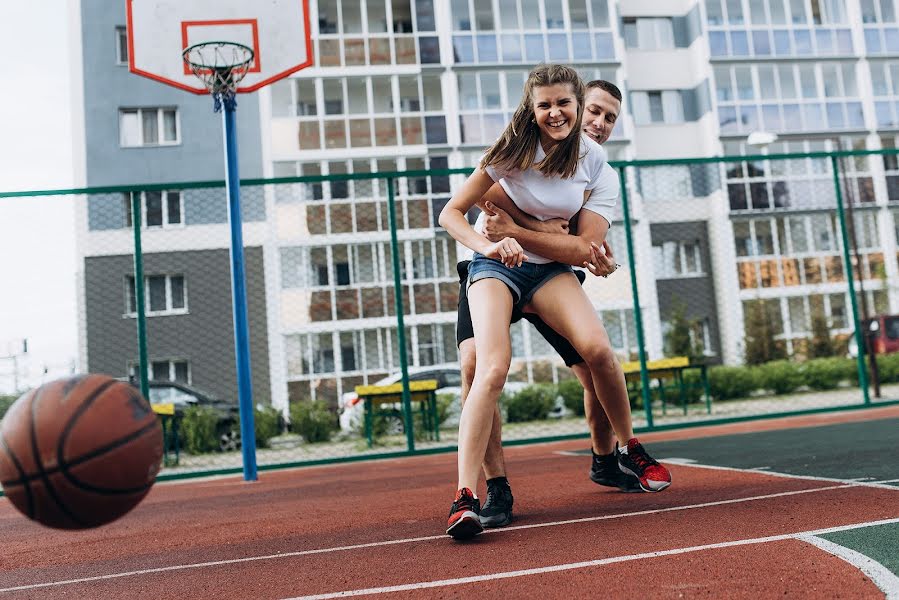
(551, 239)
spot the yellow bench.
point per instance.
(170, 439)
(671, 369)
(423, 392)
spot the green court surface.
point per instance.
(880, 543)
(859, 451)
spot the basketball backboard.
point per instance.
(276, 30)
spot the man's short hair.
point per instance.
(606, 86)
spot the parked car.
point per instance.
(182, 396)
(883, 333)
(449, 382)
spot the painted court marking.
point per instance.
(587, 564)
(282, 555)
(882, 577)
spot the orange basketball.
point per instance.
(79, 452)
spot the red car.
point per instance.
(883, 331)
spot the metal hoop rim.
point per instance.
(195, 65)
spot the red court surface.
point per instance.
(374, 529)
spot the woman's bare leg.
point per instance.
(490, 302)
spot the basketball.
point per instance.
(79, 452)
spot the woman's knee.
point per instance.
(601, 357)
(467, 362)
(493, 374)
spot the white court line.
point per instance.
(882, 577)
(585, 564)
(853, 482)
(443, 537)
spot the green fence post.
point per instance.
(847, 262)
(638, 317)
(401, 329)
(139, 296)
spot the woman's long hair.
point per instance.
(517, 146)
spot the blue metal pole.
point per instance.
(239, 299)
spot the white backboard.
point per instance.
(276, 30)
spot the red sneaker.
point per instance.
(652, 476)
(465, 516)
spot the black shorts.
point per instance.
(464, 329)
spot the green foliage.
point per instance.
(198, 429)
(5, 403)
(827, 373)
(887, 367)
(727, 383)
(693, 389)
(532, 403)
(780, 376)
(444, 402)
(821, 344)
(312, 420)
(267, 422)
(572, 393)
(761, 347)
(677, 339)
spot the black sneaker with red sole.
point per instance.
(605, 471)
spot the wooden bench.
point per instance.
(670, 369)
(423, 392)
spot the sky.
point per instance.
(37, 242)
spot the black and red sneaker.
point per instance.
(652, 476)
(465, 516)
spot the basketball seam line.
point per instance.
(51, 491)
(21, 471)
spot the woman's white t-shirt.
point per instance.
(554, 197)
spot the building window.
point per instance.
(140, 127)
(158, 209)
(121, 40)
(163, 294)
(649, 33)
(658, 107)
(676, 259)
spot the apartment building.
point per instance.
(410, 85)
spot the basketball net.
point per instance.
(220, 66)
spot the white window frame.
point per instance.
(681, 270)
(168, 310)
(139, 141)
(166, 220)
(121, 45)
(672, 107)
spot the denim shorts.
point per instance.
(523, 281)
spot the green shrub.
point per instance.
(532, 403)
(887, 368)
(780, 376)
(444, 402)
(693, 389)
(727, 383)
(572, 393)
(267, 421)
(312, 420)
(198, 429)
(825, 373)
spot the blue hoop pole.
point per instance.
(238, 287)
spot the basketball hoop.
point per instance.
(220, 66)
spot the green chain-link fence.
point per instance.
(746, 286)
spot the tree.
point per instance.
(761, 347)
(821, 344)
(677, 340)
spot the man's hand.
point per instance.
(498, 224)
(508, 251)
(603, 262)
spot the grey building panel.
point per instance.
(687, 28)
(105, 211)
(705, 179)
(109, 87)
(203, 336)
(696, 294)
(206, 206)
(696, 101)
